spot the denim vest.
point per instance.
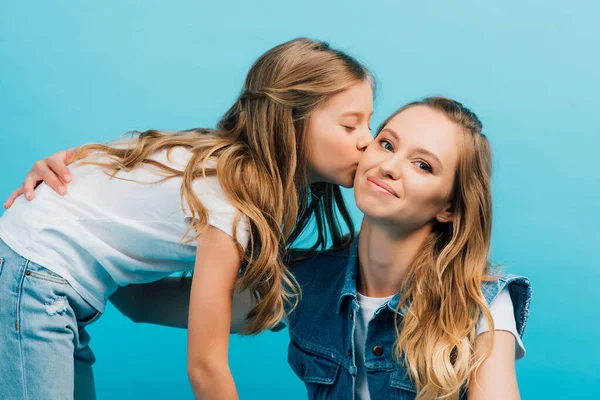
(321, 328)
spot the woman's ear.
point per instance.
(446, 215)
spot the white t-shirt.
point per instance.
(107, 232)
(502, 313)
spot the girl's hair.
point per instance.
(442, 296)
(261, 147)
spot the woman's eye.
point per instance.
(386, 145)
(350, 128)
(424, 166)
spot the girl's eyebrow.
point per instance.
(354, 114)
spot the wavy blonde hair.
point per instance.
(261, 147)
(442, 296)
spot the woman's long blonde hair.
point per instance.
(442, 298)
(261, 147)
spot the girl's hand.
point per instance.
(52, 170)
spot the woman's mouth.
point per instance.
(381, 187)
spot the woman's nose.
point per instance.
(391, 168)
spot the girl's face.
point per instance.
(405, 176)
(338, 133)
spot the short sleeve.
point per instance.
(221, 214)
(502, 311)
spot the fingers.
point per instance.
(9, 202)
(57, 165)
(53, 171)
(43, 172)
(69, 154)
(31, 181)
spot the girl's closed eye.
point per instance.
(349, 128)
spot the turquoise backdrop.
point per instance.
(74, 72)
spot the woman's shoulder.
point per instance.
(497, 279)
(503, 315)
(516, 287)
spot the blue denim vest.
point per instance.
(321, 328)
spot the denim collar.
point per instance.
(349, 288)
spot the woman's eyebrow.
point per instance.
(392, 132)
(429, 153)
(417, 150)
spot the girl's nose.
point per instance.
(364, 141)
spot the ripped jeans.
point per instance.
(44, 352)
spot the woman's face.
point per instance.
(338, 134)
(405, 176)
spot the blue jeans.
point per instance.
(44, 352)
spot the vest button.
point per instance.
(378, 350)
(302, 369)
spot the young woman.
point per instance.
(412, 309)
(208, 200)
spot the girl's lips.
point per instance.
(381, 187)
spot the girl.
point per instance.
(413, 309)
(208, 200)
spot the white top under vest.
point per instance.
(108, 232)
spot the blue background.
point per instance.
(75, 72)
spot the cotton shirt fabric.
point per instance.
(109, 232)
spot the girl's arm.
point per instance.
(211, 298)
(496, 378)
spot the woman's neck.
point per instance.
(385, 257)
